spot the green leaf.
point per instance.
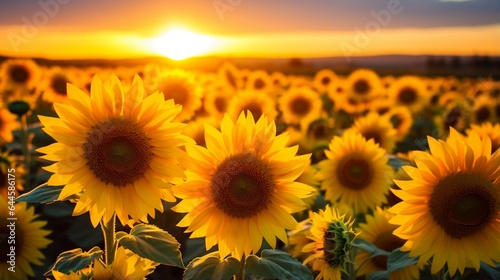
(151, 242)
(398, 260)
(378, 275)
(211, 267)
(195, 247)
(493, 272)
(370, 248)
(43, 194)
(276, 264)
(74, 260)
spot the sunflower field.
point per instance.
(157, 172)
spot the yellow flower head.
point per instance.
(378, 128)
(30, 239)
(126, 266)
(300, 106)
(119, 150)
(355, 173)
(378, 231)
(451, 206)
(242, 187)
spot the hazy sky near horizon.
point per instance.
(250, 18)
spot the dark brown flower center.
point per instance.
(372, 134)
(361, 87)
(242, 185)
(383, 110)
(325, 81)
(117, 151)
(396, 121)
(407, 96)
(387, 242)
(19, 74)
(483, 114)
(259, 84)
(58, 84)
(254, 108)
(300, 106)
(220, 103)
(462, 204)
(176, 91)
(354, 173)
(453, 118)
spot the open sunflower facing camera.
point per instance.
(453, 198)
(118, 149)
(242, 188)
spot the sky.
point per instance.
(257, 28)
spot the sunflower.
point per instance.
(363, 85)
(195, 129)
(331, 237)
(55, 83)
(378, 128)
(483, 110)
(316, 135)
(378, 231)
(355, 173)
(323, 79)
(118, 149)
(230, 76)
(487, 130)
(456, 115)
(401, 119)
(300, 105)
(182, 88)
(409, 91)
(82, 274)
(449, 98)
(30, 239)
(381, 106)
(454, 199)
(259, 81)
(8, 123)
(20, 74)
(297, 239)
(241, 188)
(387, 82)
(8, 165)
(337, 91)
(308, 177)
(126, 266)
(216, 100)
(258, 103)
(279, 80)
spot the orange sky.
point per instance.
(292, 28)
(444, 41)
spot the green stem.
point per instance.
(241, 273)
(442, 274)
(108, 231)
(25, 148)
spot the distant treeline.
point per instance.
(476, 62)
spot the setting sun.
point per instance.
(179, 44)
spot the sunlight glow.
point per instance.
(178, 44)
